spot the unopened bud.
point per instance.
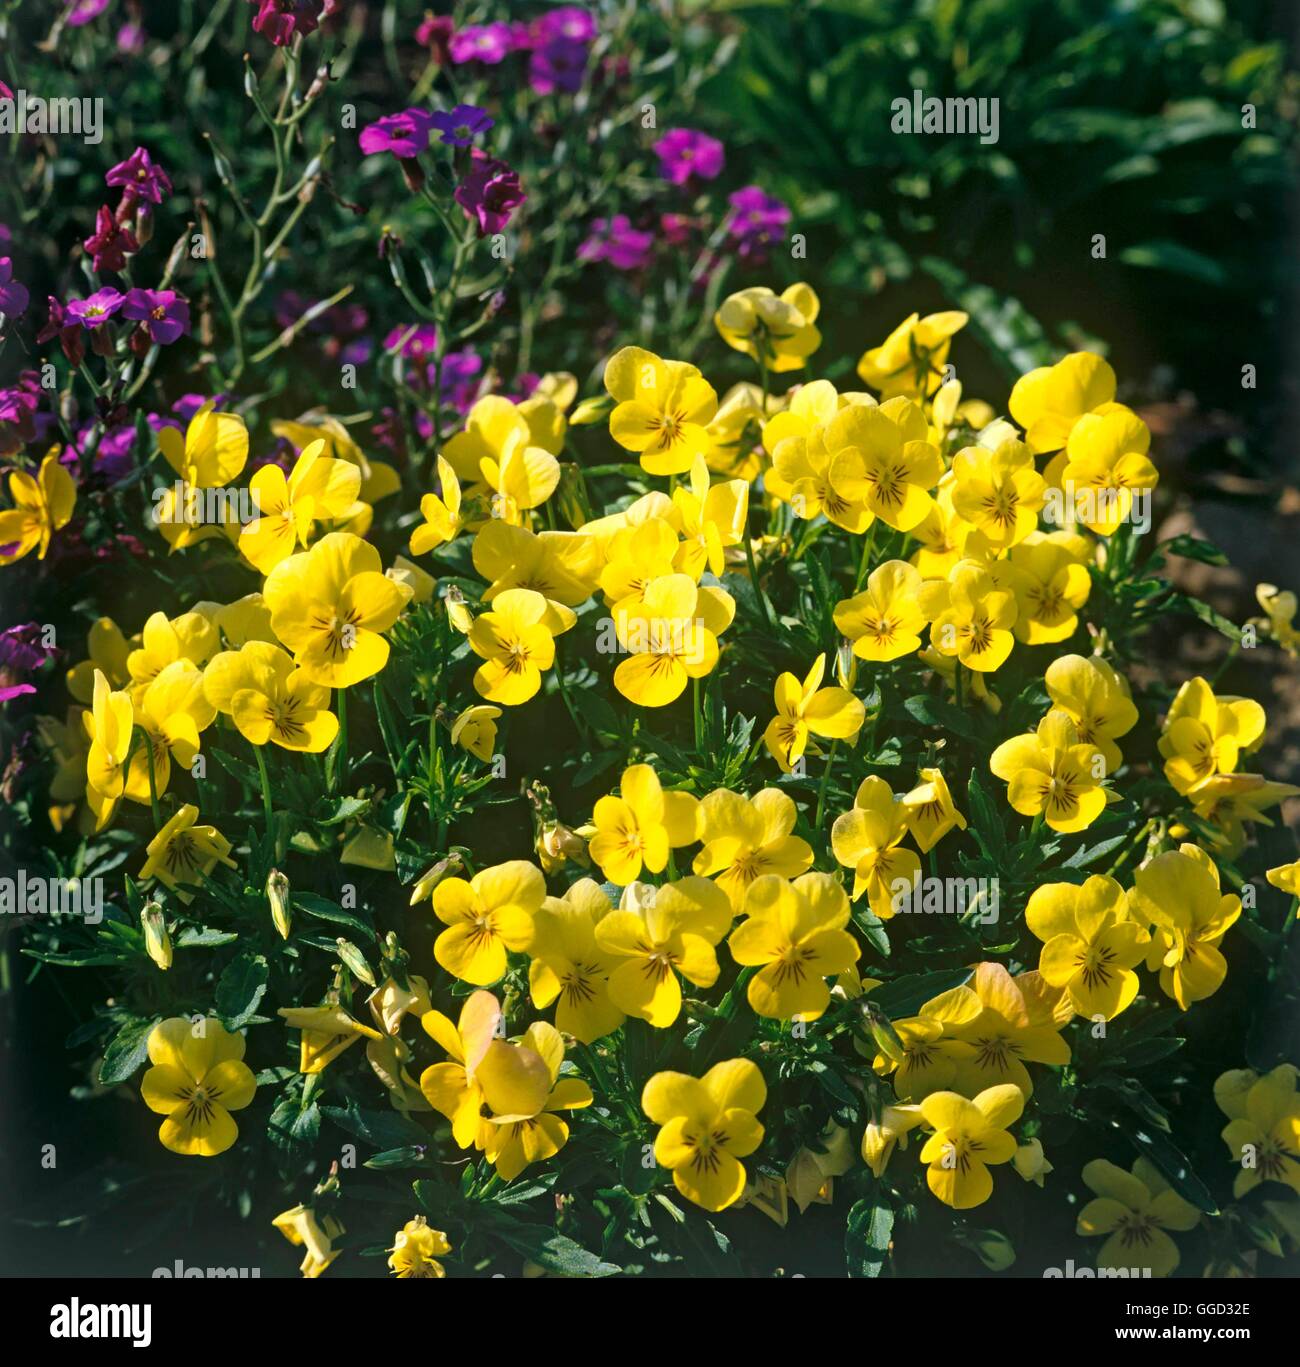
(431, 878)
(888, 1040)
(355, 961)
(277, 893)
(591, 410)
(574, 503)
(157, 942)
(846, 665)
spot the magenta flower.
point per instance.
(676, 229)
(618, 242)
(18, 413)
(685, 152)
(491, 43)
(140, 178)
(566, 21)
(559, 65)
(111, 243)
(757, 221)
(98, 309)
(130, 38)
(490, 193)
(460, 126)
(405, 135)
(417, 342)
(460, 379)
(69, 334)
(281, 21)
(435, 34)
(83, 11)
(164, 313)
(5, 92)
(13, 296)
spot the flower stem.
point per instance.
(825, 783)
(341, 753)
(266, 782)
(753, 576)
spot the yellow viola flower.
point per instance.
(745, 838)
(67, 743)
(801, 477)
(1053, 772)
(497, 453)
(1263, 1130)
(662, 409)
(1134, 1209)
(561, 566)
(246, 619)
(516, 641)
(911, 359)
(1286, 877)
(807, 709)
(191, 636)
(169, 715)
(415, 586)
(568, 966)
(671, 636)
(1096, 698)
(662, 933)
(1031, 1163)
(1280, 608)
(880, 1137)
(708, 1125)
(1090, 944)
(880, 455)
(638, 828)
(482, 1065)
(198, 1077)
(943, 534)
(378, 479)
(930, 1055)
(329, 605)
(885, 620)
(1204, 735)
(1106, 463)
(1178, 893)
(930, 810)
(109, 725)
(713, 518)
(729, 453)
(183, 853)
(1007, 1021)
(327, 1031)
(1051, 584)
(212, 452)
(41, 507)
(269, 699)
(1049, 401)
(303, 1230)
(807, 407)
(866, 840)
(636, 556)
(777, 330)
(475, 730)
(795, 934)
(968, 1137)
(971, 615)
(317, 489)
(416, 1250)
(486, 916)
(998, 491)
(441, 513)
(528, 1130)
(107, 650)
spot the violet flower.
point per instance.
(686, 152)
(280, 21)
(68, 333)
(566, 21)
(83, 11)
(111, 243)
(490, 193)
(615, 240)
(560, 64)
(461, 125)
(405, 135)
(164, 313)
(490, 43)
(757, 221)
(13, 296)
(98, 309)
(435, 33)
(140, 178)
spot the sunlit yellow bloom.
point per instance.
(441, 513)
(1134, 1209)
(246, 619)
(303, 1230)
(1204, 735)
(866, 840)
(1178, 893)
(1095, 697)
(198, 1077)
(523, 1127)
(329, 605)
(378, 479)
(1280, 607)
(929, 1055)
(568, 966)
(638, 828)
(485, 917)
(416, 1250)
(191, 636)
(482, 1065)
(497, 453)
(1228, 801)
(968, 1136)
(561, 566)
(1048, 401)
(107, 649)
(212, 452)
(713, 518)
(776, 330)
(41, 506)
(971, 615)
(269, 699)
(801, 476)
(672, 930)
(708, 1125)
(1090, 943)
(881, 456)
(1031, 1163)
(108, 725)
(807, 407)
(880, 1137)
(1263, 1130)
(943, 534)
(885, 620)
(317, 489)
(516, 642)
(930, 810)
(475, 730)
(1050, 583)
(327, 1031)
(412, 582)
(663, 409)
(183, 853)
(671, 636)
(807, 709)
(911, 359)
(998, 491)
(1106, 463)
(1053, 772)
(169, 716)
(745, 838)
(1286, 877)
(795, 933)
(636, 556)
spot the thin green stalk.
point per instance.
(341, 754)
(753, 576)
(266, 783)
(825, 784)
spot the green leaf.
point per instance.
(292, 1124)
(127, 1051)
(556, 1252)
(408, 1156)
(325, 910)
(867, 1235)
(241, 988)
(383, 1129)
(905, 996)
(1193, 548)
(1171, 1161)
(1177, 259)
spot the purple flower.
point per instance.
(18, 412)
(489, 43)
(13, 296)
(676, 229)
(83, 11)
(281, 21)
(567, 21)
(164, 313)
(69, 334)
(460, 126)
(490, 193)
(685, 152)
(460, 378)
(757, 221)
(130, 38)
(435, 34)
(5, 92)
(22, 647)
(98, 309)
(618, 242)
(559, 65)
(417, 343)
(140, 178)
(111, 243)
(405, 135)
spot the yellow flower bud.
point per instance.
(157, 942)
(277, 893)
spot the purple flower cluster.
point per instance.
(615, 240)
(558, 45)
(111, 242)
(142, 181)
(281, 21)
(18, 412)
(22, 650)
(686, 154)
(489, 193)
(757, 222)
(163, 316)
